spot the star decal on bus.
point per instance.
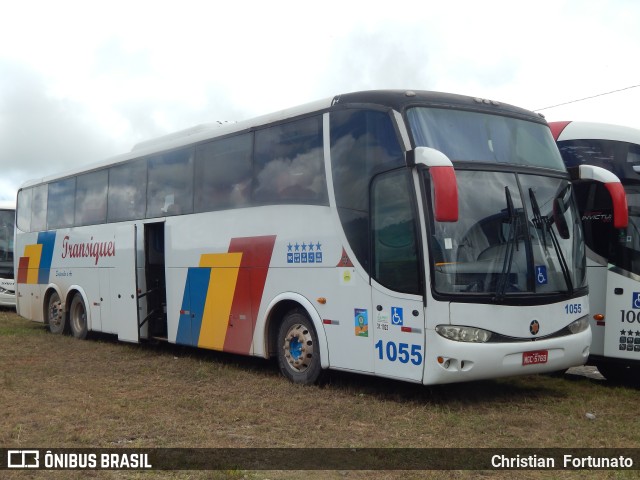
(304, 253)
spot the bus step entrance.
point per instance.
(156, 295)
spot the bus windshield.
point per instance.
(6, 243)
(524, 236)
(479, 137)
(6, 235)
(628, 251)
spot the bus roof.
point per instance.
(397, 100)
(570, 130)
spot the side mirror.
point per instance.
(615, 188)
(445, 187)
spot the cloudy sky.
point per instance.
(81, 81)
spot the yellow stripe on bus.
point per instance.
(217, 307)
(33, 252)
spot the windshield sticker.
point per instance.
(541, 275)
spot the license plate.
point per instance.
(531, 358)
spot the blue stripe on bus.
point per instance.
(47, 240)
(193, 300)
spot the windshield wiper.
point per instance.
(501, 285)
(544, 223)
(540, 222)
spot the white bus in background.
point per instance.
(7, 284)
(421, 236)
(613, 252)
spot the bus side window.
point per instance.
(289, 164)
(127, 191)
(39, 208)
(60, 203)
(23, 216)
(223, 173)
(170, 187)
(91, 198)
(362, 143)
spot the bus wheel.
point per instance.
(55, 316)
(298, 349)
(78, 317)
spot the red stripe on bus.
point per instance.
(252, 276)
(23, 269)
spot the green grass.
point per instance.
(56, 391)
(12, 325)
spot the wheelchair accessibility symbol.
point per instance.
(541, 275)
(636, 300)
(396, 316)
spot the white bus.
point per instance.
(613, 252)
(7, 284)
(421, 236)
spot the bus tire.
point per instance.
(298, 348)
(78, 317)
(56, 318)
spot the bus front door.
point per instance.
(398, 331)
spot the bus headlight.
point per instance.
(579, 325)
(464, 334)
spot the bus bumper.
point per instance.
(7, 293)
(448, 361)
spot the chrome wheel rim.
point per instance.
(298, 347)
(56, 315)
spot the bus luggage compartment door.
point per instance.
(124, 303)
